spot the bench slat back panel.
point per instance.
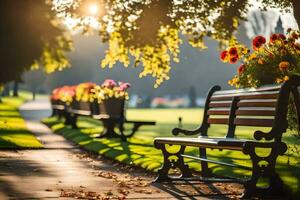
(254, 107)
(257, 109)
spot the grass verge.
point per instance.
(13, 131)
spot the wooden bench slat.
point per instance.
(58, 107)
(253, 122)
(217, 120)
(81, 112)
(256, 112)
(252, 95)
(257, 103)
(219, 104)
(218, 112)
(252, 90)
(226, 143)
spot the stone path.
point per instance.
(63, 171)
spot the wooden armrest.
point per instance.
(176, 131)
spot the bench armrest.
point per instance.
(176, 131)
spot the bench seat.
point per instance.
(207, 142)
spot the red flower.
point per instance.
(223, 55)
(233, 51)
(258, 41)
(233, 59)
(281, 36)
(273, 38)
(241, 69)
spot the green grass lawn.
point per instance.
(13, 131)
(139, 149)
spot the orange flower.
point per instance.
(261, 61)
(286, 78)
(284, 65)
(241, 69)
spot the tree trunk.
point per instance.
(33, 94)
(6, 91)
(296, 7)
(16, 89)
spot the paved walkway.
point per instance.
(63, 171)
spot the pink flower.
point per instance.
(124, 86)
(109, 83)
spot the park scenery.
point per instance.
(150, 99)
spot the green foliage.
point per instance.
(147, 32)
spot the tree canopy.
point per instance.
(30, 37)
(148, 32)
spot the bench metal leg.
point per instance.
(68, 119)
(205, 171)
(266, 170)
(109, 130)
(73, 121)
(171, 163)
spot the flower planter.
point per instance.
(81, 105)
(111, 113)
(110, 108)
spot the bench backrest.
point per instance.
(262, 107)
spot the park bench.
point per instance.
(112, 114)
(262, 107)
(58, 108)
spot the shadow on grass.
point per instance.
(4, 144)
(139, 151)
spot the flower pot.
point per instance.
(110, 108)
(81, 105)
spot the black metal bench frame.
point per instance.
(272, 139)
(109, 123)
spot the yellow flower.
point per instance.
(278, 80)
(284, 65)
(286, 78)
(261, 61)
(252, 56)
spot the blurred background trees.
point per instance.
(30, 37)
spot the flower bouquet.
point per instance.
(84, 92)
(83, 97)
(271, 62)
(109, 98)
(64, 94)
